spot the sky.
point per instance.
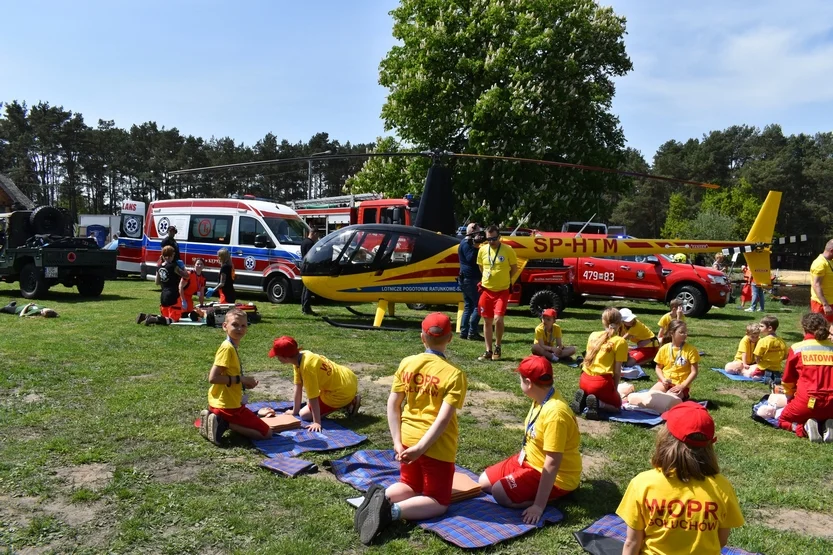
(244, 69)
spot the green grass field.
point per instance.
(98, 453)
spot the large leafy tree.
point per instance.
(528, 78)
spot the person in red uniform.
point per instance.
(194, 284)
(808, 383)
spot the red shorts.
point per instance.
(519, 481)
(325, 408)
(429, 477)
(493, 303)
(602, 387)
(684, 394)
(819, 309)
(798, 411)
(173, 312)
(242, 417)
(643, 354)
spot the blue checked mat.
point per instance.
(292, 443)
(640, 417)
(606, 536)
(469, 524)
(288, 466)
(738, 377)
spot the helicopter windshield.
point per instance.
(354, 250)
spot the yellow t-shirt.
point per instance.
(614, 350)
(495, 264)
(548, 340)
(746, 346)
(824, 268)
(222, 396)
(680, 517)
(639, 332)
(676, 363)
(555, 431)
(771, 352)
(665, 321)
(428, 380)
(335, 385)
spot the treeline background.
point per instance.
(55, 158)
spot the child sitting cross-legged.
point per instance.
(329, 386)
(677, 362)
(548, 338)
(422, 410)
(745, 357)
(549, 464)
(683, 504)
(770, 351)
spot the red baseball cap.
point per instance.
(284, 347)
(436, 324)
(690, 418)
(536, 369)
(549, 312)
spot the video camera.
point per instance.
(477, 236)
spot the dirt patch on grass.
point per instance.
(385, 381)
(363, 366)
(487, 406)
(142, 377)
(32, 398)
(799, 521)
(168, 471)
(743, 393)
(22, 509)
(92, 476)
(272, 386)
(595, 428)
(592, 466)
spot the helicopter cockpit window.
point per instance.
(399, 250)
(363, 248)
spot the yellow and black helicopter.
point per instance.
(388, 264)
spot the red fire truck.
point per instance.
(331, 213)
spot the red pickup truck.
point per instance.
(570, 281)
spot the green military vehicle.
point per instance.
(38, 250)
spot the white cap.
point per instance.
(627, 315)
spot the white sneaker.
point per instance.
(812, 429)
(828, 432)
(749, 310)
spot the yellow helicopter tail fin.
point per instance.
(761, 232)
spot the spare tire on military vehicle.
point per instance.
(48, 220)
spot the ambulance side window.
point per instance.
(209, 229)
(249, 229)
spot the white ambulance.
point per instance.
(263, 238)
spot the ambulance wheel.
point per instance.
(32, 283)
(90, 286)
(694, 301)
(278, 290)
(546, 298)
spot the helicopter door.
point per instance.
(363, 252)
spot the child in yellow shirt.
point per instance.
(426, 394)
(770, 350)
(329, 386)
(677, 362)
(548, 339)
(745, 357)
(675, 314)
(684, 504)
(634, 331)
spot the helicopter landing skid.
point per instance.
(357, 313)
(360, 326)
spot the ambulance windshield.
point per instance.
(287, 231)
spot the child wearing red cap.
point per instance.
(677, 362)
(548, 338)
(424, 433)
(226, 400)
(329, 386)
(684, 504)
(602, 369)
(549, 464)
(808, 383)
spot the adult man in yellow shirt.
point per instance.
(821, 292)
(498, 264)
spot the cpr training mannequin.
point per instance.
(773, 407)
(654, 401)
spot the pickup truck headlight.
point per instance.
(718, 280)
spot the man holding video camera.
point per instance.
(469, 278)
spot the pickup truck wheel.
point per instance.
(90, 286)
(32, 283)
(694, 302)
(546, 298)
(417, 306)
(278, 290)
